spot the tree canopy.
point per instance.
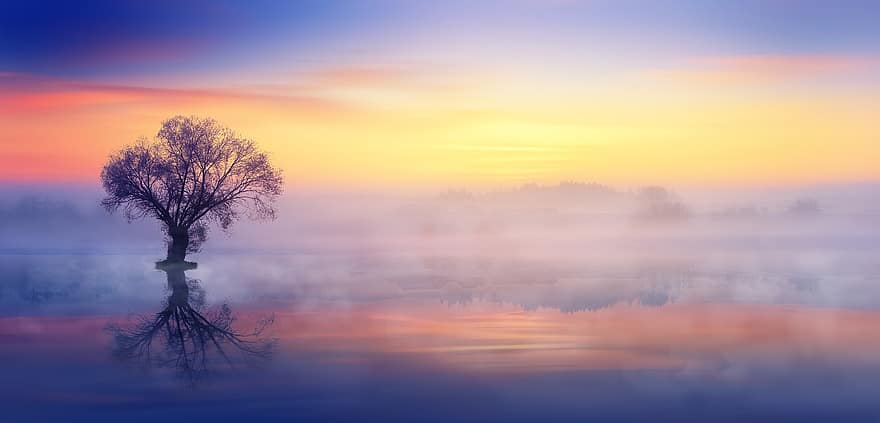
(194, 172)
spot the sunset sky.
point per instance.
(455, 93)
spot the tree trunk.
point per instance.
(179, 244)
(179, 289)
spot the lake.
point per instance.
(442, 336)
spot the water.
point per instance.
(387, 335)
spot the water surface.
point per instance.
(403, 336)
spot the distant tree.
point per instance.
(194, 173)
(804, 207)
(658, 203)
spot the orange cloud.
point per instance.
(28, 93)
(56, 129)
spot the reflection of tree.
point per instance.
(189, 336)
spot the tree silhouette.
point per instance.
(659, 204)
(187, 337)
(805, 207)
(194, 172)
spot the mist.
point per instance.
(570, 247)
(568, 219)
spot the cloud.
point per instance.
(785, 64)
(26, 93)
(62, 129)
(756, 69)
(360, 75)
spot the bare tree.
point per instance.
(195, 172)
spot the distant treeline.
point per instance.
(648, 202)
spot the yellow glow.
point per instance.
(392, 131)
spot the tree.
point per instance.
(805, 207)
(659, 204)
(194, 173)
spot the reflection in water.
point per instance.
(191, 337)
(373, 339)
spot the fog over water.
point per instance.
(534, 218)
(564, 302)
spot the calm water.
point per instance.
(440, 337)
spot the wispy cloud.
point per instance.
(26, 93)
(360, 75)
(751, 69)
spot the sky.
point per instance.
(387, 93)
